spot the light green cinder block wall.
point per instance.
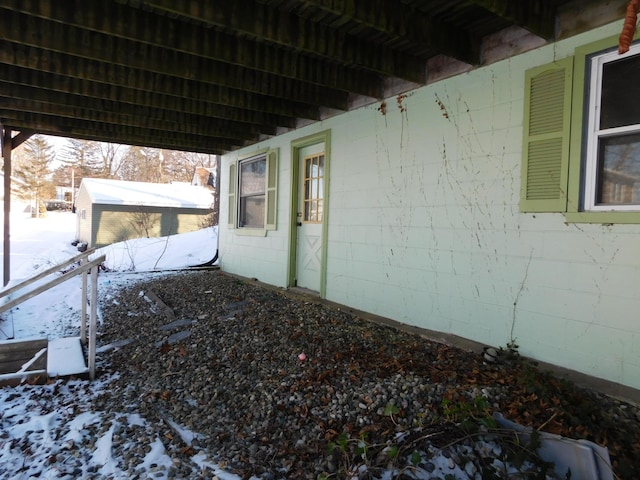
(425, 227)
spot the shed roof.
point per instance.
(119, 192)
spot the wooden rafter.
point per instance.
(203, 117)
(218, 57)
(62, 72)
(407, 25)
(293, 32)
(99, 131)
(212, 75)
(57, 37)
(537, 16)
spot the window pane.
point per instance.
(252, 211)
(253, 177)
(313, 217)
(620, 91)
(618, 175)
(307, 211)
(307, 189)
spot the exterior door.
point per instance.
(309, 219)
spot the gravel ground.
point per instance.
(274, 386)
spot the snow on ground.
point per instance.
(49, 431)
(38, 244)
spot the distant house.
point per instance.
(205, 177)
(110, 211)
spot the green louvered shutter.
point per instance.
(272, 189)
(233, 187)
(547, 115)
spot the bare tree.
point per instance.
(111, 156)
(143, 164)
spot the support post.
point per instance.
(93, 320)
(6, 168)
(83, 307)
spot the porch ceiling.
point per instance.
(215, 75)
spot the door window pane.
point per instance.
(313, 185)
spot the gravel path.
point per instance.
(280, 387)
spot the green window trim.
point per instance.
(552, 176)
(271, 195)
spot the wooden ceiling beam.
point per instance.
(536, 16)
(292, 76)
(162, 72)
(48, 62)
(125, 100)
(402, 23)
(65, 127)
(21, 137)
(141, 117)
(293, 32)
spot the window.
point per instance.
(612, 178)
(252, 192)
(581, 152)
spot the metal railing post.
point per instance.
(83, 312)
(93, 323)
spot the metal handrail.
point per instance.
(83, 269)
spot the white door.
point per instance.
(309, 217)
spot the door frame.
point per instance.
(296, 147)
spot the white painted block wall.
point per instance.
(425, 228)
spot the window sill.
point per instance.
(251, 232)
(602, 217)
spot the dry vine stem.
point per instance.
(629, 27)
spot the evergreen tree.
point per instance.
(35, 172)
